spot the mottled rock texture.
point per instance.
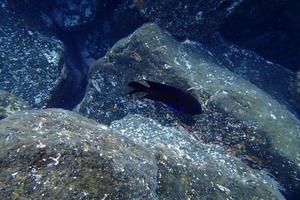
(31, 57)
(55, 153)
(59, 154)
(236, 112)
(10, 104)
(188, 19)
(274, 79)
(188, 168)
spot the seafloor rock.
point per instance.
(104, 33)
(188, 19)
(270, 28)
(270, 77)
(74, 14)
(10, 104)
(31, 57)
(235, 111)
(192, 169)
(58, 154)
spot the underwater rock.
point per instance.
(55, 153)
(274, 79)
(70, 14)
(188, 19)
(270, 28)
(236, 112)
(189, 169)
(31, 57)
(10, 104)
(107, 30)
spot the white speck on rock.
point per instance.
(30, 32)
(105, 196)
(37, 100)
(273, 116)
(113, 83)
(104, 127)
(167, 66)
(224, 189)
(40, 145)
(96, 86)
(56, 160)
(52, 57)
(199, 16)
(14, 174)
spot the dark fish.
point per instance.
(173, 97)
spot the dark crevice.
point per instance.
(72, 87)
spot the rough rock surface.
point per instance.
(188, 19)
(59, 154)
(10, 104)
(122, 21)
(235, 111)
(274, 79)
(190, 167)
(55, 153)
(31, 57)
(72, 14)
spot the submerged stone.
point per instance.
(189, 169)
(31, 57)
(188, 19)
(236, 113)
(55, 153)
(10, 104)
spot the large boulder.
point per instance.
(268, 27)
(273, 78)
(187, 167)
(60, 154)
(55, 153)
(10, 104)
(188, 19)
(235, 111)
(32, 59)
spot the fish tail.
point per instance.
(138, 87)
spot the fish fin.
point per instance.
(132, 92)
(171, 107)
(149, 96)
(138, 87)
(153, 84)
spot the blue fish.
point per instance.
(173, 97)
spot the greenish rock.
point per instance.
(259, 71)
(10, 104)
(55, 153)
(31, 57)
(236, 114)
(59, 154)
(189, 169)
